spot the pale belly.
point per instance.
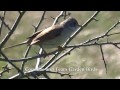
(58, 41)
(54, 43)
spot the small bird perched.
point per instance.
(53, 36)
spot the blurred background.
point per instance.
(87, 58)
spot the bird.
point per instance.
(53, 36)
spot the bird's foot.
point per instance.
(45, 54)
(60, 48)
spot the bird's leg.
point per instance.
(43, 50)
(39, 59)
(60, 48)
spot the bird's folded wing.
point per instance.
(47, 34)
(34, 35)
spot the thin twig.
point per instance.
(11, 62)
(25, 55)
(7, 37)
(5, 69)
(4, 12)
(102, 36)
(103, 57)
(6, 25)
(30, 58)
(116, 45)
(61, 74)
(111, 28)
(57, 18)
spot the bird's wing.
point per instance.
(47, 34)
(32, 37)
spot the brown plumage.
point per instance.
(42, 36)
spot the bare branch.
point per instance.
(61, 74)
(103, 57)
(5, 69)
(3, 42)
(112, 27)
(116, 45)
(57, 18)
(6, 25)
(11, 62)
(29, 58)
(102, 36)
(4, 12)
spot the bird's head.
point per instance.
(70, 23)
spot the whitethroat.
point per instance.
(53, 36)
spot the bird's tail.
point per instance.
(25, 42)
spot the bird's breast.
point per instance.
(59, 40)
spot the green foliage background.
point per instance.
(85, 57)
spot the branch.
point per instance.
(116, 45)
(29, 58)
(61, 74)
(3, 42)
(57, 18)
(5, 69)
(104, 35)
(11, 62)
(6, 25)
(103, 57)
(4, 12)
(38, 72)
(112, 27)
(92, 44)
